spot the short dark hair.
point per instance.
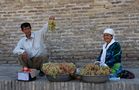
(26, 24)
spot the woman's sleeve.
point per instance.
(115, 56)
(98, 59)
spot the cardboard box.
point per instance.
(27, 76)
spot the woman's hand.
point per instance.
(100, 63)
(97, 62)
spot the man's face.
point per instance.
(27, 31)
(107, 37)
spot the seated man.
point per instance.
(110, 54)
(31, 48)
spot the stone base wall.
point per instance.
(46, 85)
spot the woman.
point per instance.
(110, 54)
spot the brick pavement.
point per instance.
(8, 81)
(8, 71)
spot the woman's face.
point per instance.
(107, 37)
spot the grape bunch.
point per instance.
(51, 69)
(92, 70)
(54, 69)
(52, 23)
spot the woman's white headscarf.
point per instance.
(105, 46)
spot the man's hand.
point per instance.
(52, 18)
(25, 56)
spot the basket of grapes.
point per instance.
(59, 72)
(95, 73)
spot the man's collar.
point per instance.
(32, 36)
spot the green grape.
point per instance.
(54, 69)
(92, 69)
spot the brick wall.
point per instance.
(80, 23)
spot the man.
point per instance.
(31, 48)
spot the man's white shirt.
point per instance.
(35, 45)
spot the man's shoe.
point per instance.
(41, 73)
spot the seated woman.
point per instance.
(110, 54)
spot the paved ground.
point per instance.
(8, 81)
(9, 72)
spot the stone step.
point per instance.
(71, 85)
